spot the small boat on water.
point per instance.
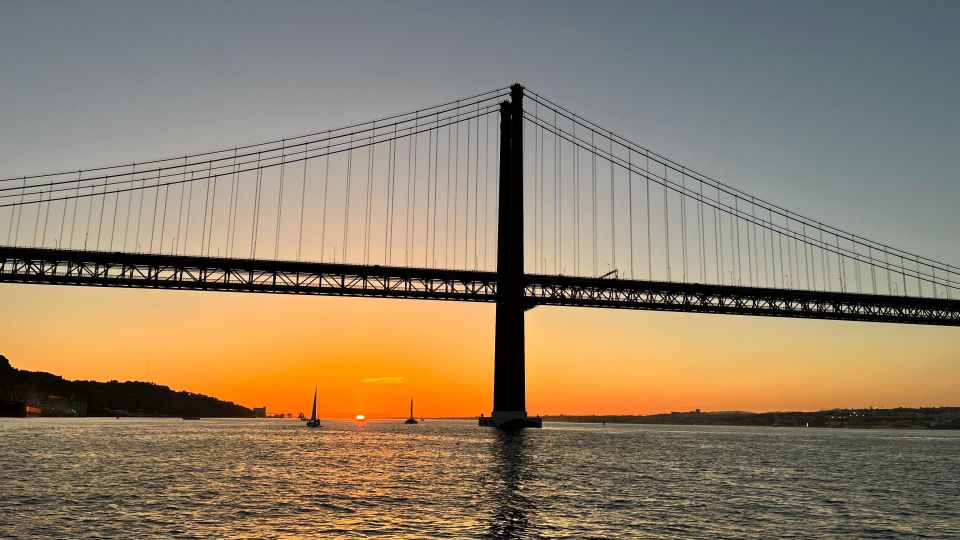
(314, 421)
(411, 420)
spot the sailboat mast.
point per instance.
(411, 407)
(313, 415)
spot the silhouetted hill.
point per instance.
(60, 397)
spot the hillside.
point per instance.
(60, 397)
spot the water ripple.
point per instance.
(106, 478)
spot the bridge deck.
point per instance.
(114, 269)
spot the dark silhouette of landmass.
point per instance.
(901, 417)
(57, 396)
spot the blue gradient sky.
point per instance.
(847, 112)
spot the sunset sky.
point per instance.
(847, 112)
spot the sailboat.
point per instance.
(411, 420)
(314, 421)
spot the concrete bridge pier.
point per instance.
(509, 379)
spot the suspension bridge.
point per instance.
(504, 196)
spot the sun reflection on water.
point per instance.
(275, 478)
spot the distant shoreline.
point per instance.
(58, 397)
(872, 418)
(748, 420)
(895, 418)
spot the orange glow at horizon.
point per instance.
(371, 355)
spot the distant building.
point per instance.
(259, 412)
(55, 405)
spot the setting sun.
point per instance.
(360, 418)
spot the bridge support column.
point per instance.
(509, 379)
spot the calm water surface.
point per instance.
(93, 478)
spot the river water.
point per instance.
(104, 478)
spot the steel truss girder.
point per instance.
(64, 267)
(737, 300)
(67, 267)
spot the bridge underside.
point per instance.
(112, 269)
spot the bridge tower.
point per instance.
(509, 379)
